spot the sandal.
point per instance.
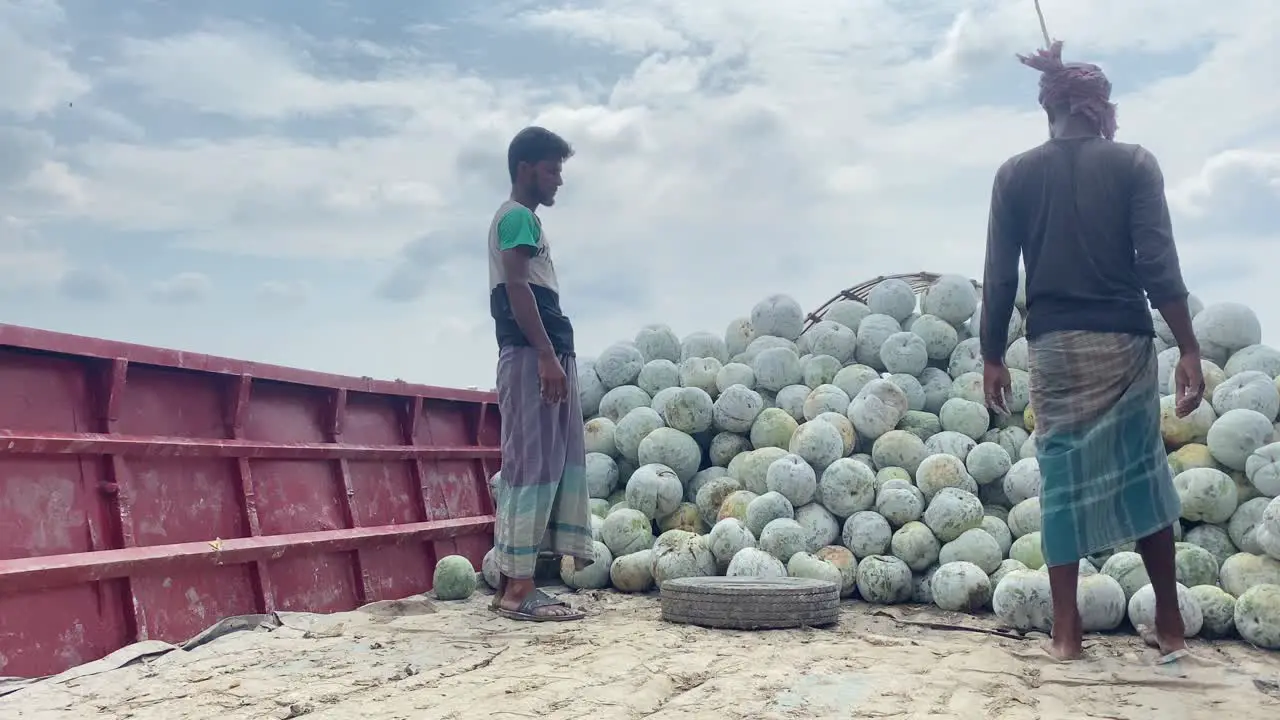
(538, 599)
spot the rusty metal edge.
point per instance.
(21, 443)
(39, 573)
(80, 345)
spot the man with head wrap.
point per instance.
(1089, 218)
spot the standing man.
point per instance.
(543, 501)
(1088, 216)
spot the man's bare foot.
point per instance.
(1067, 641)
(1174, 645)
(1064, 649)
(1170, 645)
(1170, 632)
(1157, 552)
(1167, 635)
(498, 592)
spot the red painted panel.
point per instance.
(148, 405)
(398, 571)
(459, 481)
(453, 486)
(176, 500)
(44, 508)
(146, 493)
(286, 414)
(375, 420)
(474, 547)
(47, 631)
(315, 583)
(385, 494)
(445, 423)
(177, 606)
(297, 496)
(39, 393)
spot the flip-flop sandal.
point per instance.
(1173, 657)
(537, 599)
(1148, 635)
(1186, 658)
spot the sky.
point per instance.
(311, 183)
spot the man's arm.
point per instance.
(518, 238)
(1000, 275)
(1155, 256)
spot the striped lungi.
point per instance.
(543, 502)
(1106, 478)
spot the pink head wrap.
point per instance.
(1082, 87)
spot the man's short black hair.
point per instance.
(534, 145)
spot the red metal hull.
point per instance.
(147, 493)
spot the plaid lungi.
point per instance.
(1106, 478)
(543, 501)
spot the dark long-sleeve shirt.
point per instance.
(1090, 220)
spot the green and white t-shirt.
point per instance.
(515, 226)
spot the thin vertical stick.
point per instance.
(1044, 29)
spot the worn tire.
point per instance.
(749, 603)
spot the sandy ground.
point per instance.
(452, 661)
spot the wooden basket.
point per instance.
(919, 282)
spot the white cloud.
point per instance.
(727, 149)
(35, 76)
(92, 285)
(1223, 173)
(285, 291)
(25, 264)
(182, 289)
(617, 30)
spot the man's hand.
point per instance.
(997, 386)
(1188, 378)
(555, 384)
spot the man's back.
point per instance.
(1091, 221)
